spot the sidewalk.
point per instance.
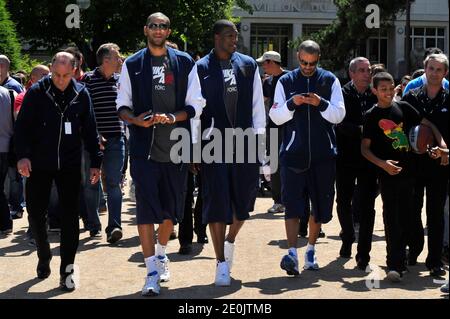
(118, 271)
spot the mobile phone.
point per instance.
(148, 117)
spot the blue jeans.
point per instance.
(113, 161)
(15, 197)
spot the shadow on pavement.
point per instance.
(193, 292)
(21, 291)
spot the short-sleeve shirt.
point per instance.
(164, 101)
(388, 129)
(230, 91)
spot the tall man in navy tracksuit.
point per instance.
(161, 81)
(232, 88)
(308, 102)
(56, 116)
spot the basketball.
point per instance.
(420, 137)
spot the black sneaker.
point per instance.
(202, 239)
(66, 283)
(114, 236)
(95, 233)
(16, 214)
(185, 249)
(321, 234)
(437, 271)
(43, 268)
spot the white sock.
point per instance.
(160, 250)
(310, 247)
(293, 251)
(150, 264)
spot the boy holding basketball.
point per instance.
(385, 144)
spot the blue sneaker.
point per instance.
(311, 261)
(290, 264)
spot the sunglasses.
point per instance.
(305, 63)
(155, 26)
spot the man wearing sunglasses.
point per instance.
(308, 103)
(158, 91)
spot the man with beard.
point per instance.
(308, 102)
(158, 91)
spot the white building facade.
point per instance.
(274, 23)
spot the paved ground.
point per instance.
(118, 271)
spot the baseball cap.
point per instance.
(270, 55)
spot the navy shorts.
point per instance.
(228, 190)
(160, 191)
(315, 184)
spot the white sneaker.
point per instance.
(229, 253)
(151, 287)
(311, 260)
(394, 276)
(162, 264)
(222, 274)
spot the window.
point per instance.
(375, 48)
(428, 37)
(308, 29)
(271, 37)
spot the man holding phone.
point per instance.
(308, 102)
(158, 91)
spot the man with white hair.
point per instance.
(432, 101)
(56, 117)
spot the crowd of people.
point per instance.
(71, 135)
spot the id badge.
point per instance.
(68, 128)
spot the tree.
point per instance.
(43, 22)
(9, 45)
(340, 40)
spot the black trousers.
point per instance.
(187, 227)
(397, 195)
(5, 217)
(436, 192)
(346, 177)
(38, 189)
(367, 191)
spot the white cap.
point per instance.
(270, 55)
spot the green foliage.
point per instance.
(9, 45)
(339, 40)
(118, 21)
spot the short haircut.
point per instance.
(430, 51)
(440, 57)
(381, 76)
(104, 51)
(64, 58)
(353, 63)
(158, 15)
(77, 54)
(405, 78)
(310, 47)
(221, 25)
(377, 68)
(417, 73)
(4, 60)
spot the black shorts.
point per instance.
(228, 189)
(160, 191)
(315, 184)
